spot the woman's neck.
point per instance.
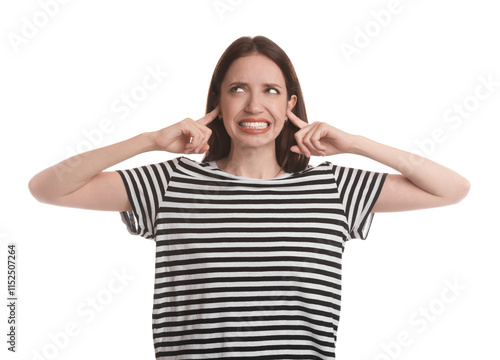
(252, 163)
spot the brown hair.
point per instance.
(220, 142)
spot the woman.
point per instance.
(250, 240)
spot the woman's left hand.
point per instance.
(421, 184)
(319, 138)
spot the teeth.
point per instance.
(254, 125)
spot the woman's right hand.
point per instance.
(187, 136)
(81, 181)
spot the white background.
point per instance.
(64, 67)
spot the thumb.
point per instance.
(296, 149)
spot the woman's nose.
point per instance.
(254, 105)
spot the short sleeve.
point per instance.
(146, 186)
(359, 191)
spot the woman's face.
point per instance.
(253, 101)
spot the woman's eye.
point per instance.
(273, 91)
(236, 89)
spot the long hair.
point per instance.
(220, 142)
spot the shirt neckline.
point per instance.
(214, 166)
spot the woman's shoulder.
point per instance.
(324, 166)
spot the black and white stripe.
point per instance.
(248, 268)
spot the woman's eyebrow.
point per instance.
(272, 85)
(242, 83)
(237, 83)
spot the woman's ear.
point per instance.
(292, 102)
(217, 103)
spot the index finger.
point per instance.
(208, 118)
(296, 120)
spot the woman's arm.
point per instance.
(81, 181)
(421, 184)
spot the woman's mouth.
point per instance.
(254, 126)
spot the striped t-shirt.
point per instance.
(248, 268)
